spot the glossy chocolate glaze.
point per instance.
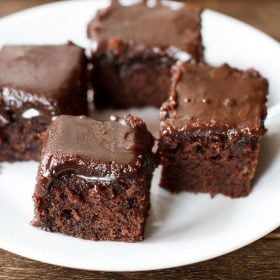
(36, 84)
(154, 26)
(204, 96)
(84, 137)
(94, 149)
(40, 75)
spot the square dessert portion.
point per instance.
(211, 128)
(36, 84)
(94, 178)
(136, 48)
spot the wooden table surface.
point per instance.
(260, 260)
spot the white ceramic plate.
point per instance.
(182, 229)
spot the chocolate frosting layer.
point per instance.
(158, 26)
(98, 141)
(95, 150)
(42, 74)
(224, 97)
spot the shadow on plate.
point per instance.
(174, 215)
(270, 149)
(161, 207)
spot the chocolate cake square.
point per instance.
(36, 84)
(94, 178)
(211, 128)
(136, 48)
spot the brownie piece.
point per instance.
(36, 84)
(211, 128)
(136, 48)
(94, 178)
